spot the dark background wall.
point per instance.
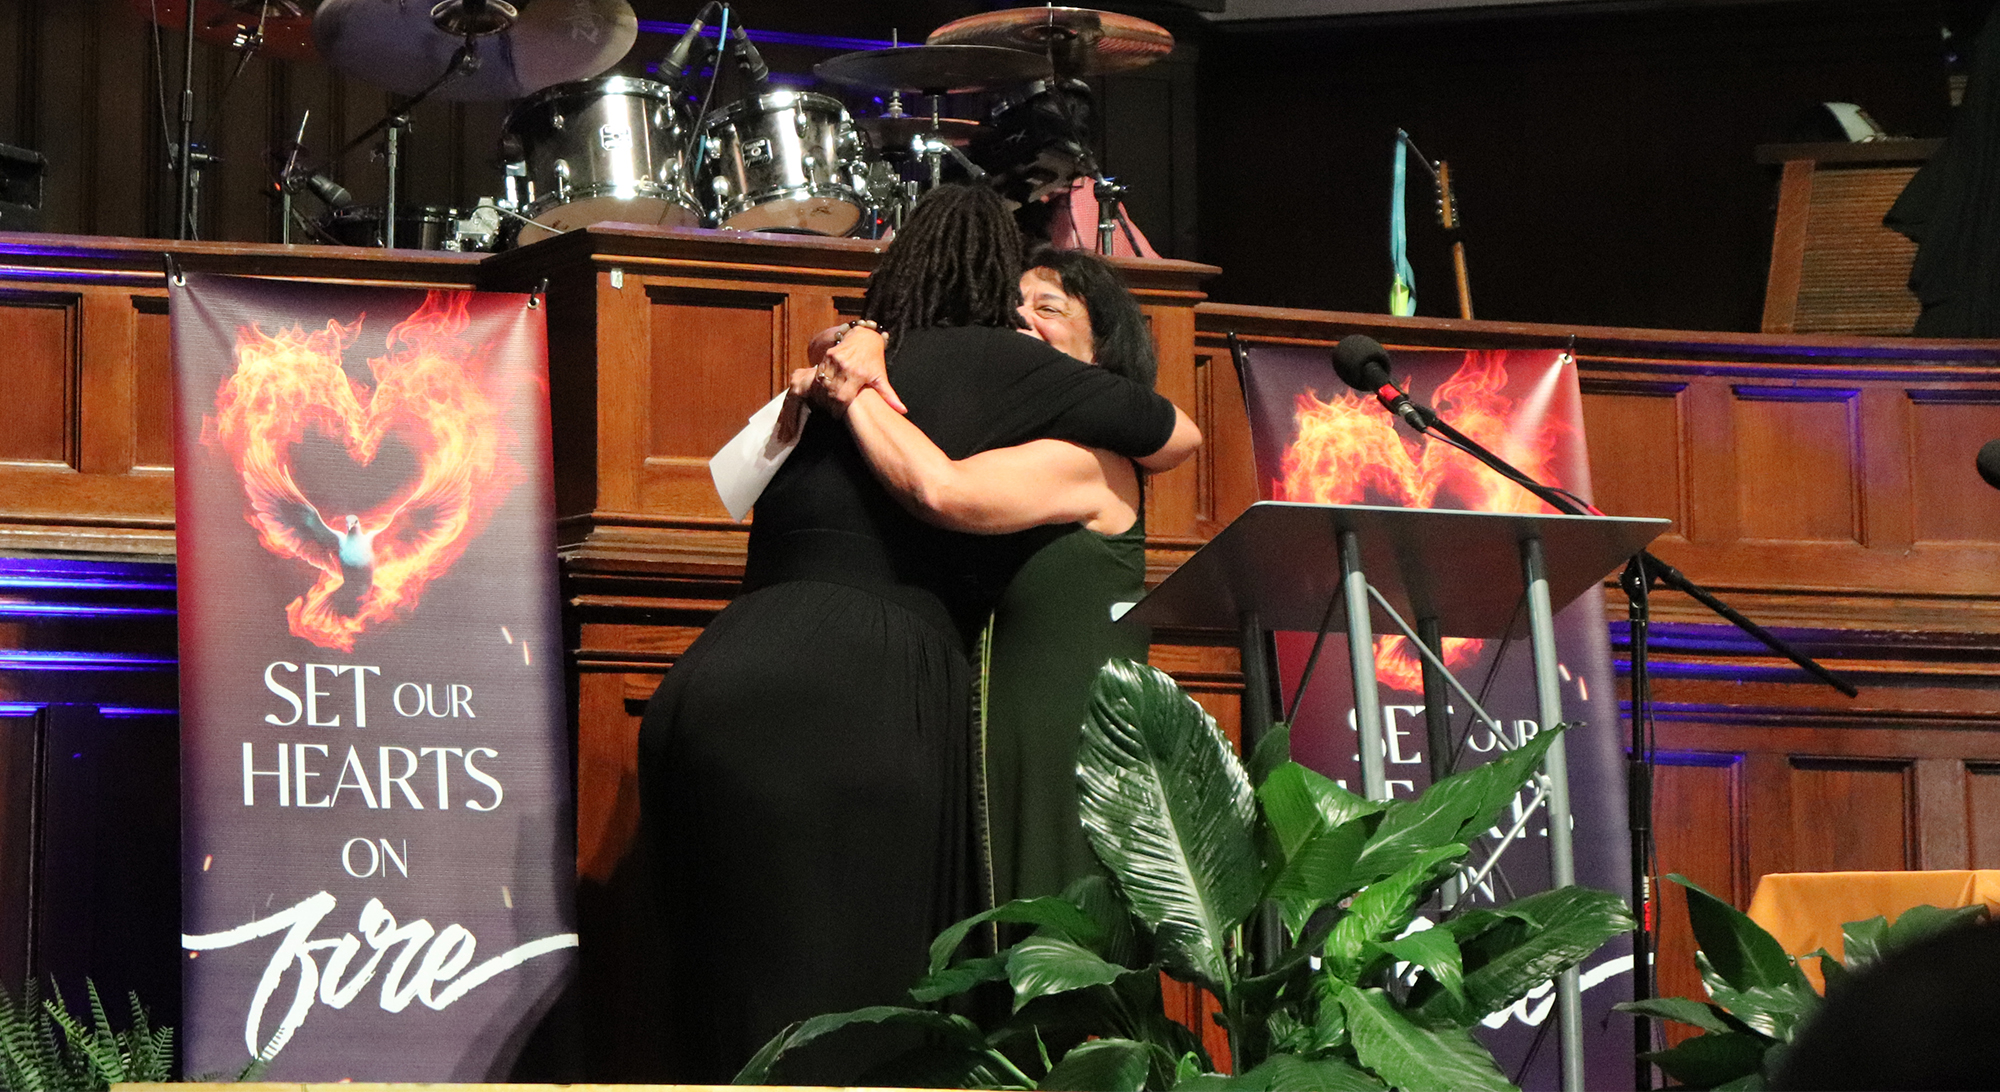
(1604, 151)
(1604, 158)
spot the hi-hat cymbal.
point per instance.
(934, 69)
(1079, 42)
(285, 24)
(398, 44)
(896, 131)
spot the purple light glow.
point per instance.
(21, 708)
(32, 273)
(134, 711)
(22, 660)
(18, 572)
(77, 610)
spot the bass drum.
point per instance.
(784, 161)
(418, 227)
(613, 148)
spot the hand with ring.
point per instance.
(851, 359)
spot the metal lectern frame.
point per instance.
(1281, 566)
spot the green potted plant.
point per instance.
(1204, 853)
(1758, 996)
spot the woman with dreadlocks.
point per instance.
(804, 767)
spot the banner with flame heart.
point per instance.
(1316, 440)
(376, 844)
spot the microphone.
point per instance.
(326, 189)
(1363, 364)
(746, 55)
(677, 58)
(1989, 463)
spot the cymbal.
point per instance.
(934, 69)
(895, 132)
(286, 24)
(1079, 41)
(396, 44)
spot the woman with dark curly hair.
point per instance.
(804, 768)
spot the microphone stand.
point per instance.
(464, 61)
(1641, 572)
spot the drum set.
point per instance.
(582, 146)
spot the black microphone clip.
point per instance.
(746, 55)
(682, 54)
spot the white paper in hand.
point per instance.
(745, 464)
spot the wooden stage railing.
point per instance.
(1822, 485)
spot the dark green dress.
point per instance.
(1052, 630)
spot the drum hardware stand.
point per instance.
(1448, 218)
(1111, 217)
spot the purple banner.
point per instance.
(1318, 441)
(377, 853)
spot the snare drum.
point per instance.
(613, 148)
(784, 161)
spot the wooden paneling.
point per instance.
(1698, 809)
(37, 417)
(715, 356)
(152, 369)
(1950, 502)
(1823, 788)
(1649, 416)
(1982, 814)
(1796, 459)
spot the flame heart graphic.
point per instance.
(370, 566)
(1348, 451)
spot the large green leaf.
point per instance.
(1412, 1057)
(1039, 966)
(1773, 1010)
(1289, 1073)
(1453, 810)
(951, 1029)
(959, 977)
(1684, 1010)
(1300, 803)
(1436, 952)
(1865, 941)
(1320, 829)
(1708, 1061)
(1103, 1065)
(1382, 911)
(1564, 926)
(1742, 953)
(1273, 751)
(1049, 912)
(1168, 809)
(1118, 941)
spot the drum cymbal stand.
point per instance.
(187, 156)
(932, 148)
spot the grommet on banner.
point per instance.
(541, 292)
(174, 274)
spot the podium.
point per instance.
(1289, 566)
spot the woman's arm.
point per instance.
(994, 492)
(1186, 437)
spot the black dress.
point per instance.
(804, 768)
